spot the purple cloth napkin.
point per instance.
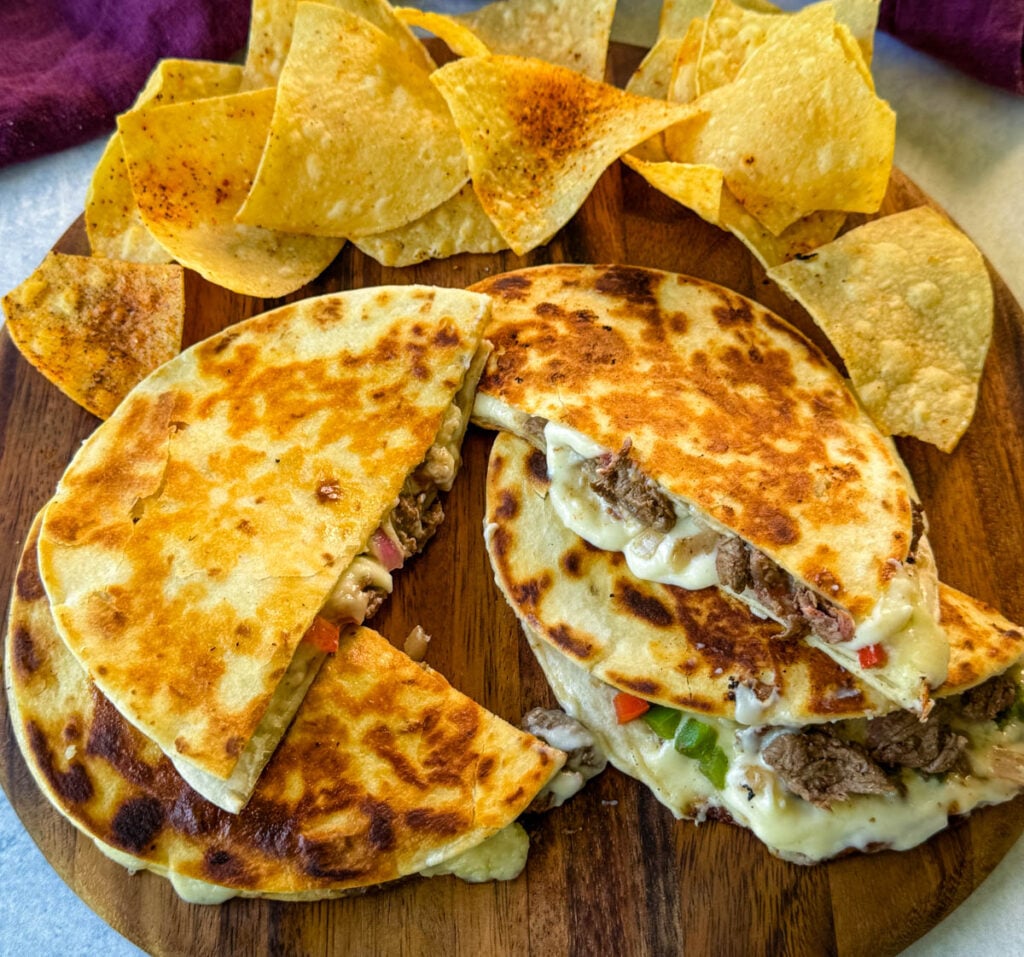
(984, 38)
(68, 67)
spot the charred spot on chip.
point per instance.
(137, 822)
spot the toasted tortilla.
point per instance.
(199, 530)
(738, 416)
(701, 651)
(330, 814)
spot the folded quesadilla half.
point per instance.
(245, 501)
(713, 445)
(737, 722)
(386, 771)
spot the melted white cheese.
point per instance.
(753, 795)
(904, 620)
(501, 857)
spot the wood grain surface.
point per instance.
(611, 871)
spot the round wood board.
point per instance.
(612, 870)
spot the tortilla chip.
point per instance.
(798, 98)
(677, 15)
(112, 221)
(458, 225)
(697, 187)
(861, 18)
(906, 300)
(569, 33)
(457, 36)
(653, 79)
(272, 23)
(731, 34)
(799, 238)
(188, 194)
(360, 142)
(538, 136)
(97, 327)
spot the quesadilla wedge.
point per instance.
(736, 724)
(702, 436)
(247, 499)
(330, 814)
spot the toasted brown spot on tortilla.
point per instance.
(24, 655)
(137, 822)
(633, 285)
(570, 641)
(73, 785)
(437, 822)
(511, 287)
(644, 606)
(508, 506)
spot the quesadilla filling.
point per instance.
(606, 499)
(367, 581)
(812, 793)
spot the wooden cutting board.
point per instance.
(611, 871)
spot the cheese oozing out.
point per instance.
(754, 797)
(905, 618)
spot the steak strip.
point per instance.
(902, 739)
(821, 768)
(623, 485)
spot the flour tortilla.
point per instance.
(700, 651)
(329, 816)
(198, 531)
(737, 415)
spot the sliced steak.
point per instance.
(414, 520)
(987, 701)
(821, 767)
(831, 624)
(584, 758)
(732, 562)
(773, 588)
(902, 739)
(623, 485)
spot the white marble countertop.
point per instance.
(961, 141)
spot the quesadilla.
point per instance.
(329, 815)
(246, 500)
(742, 725)
(713, 445)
